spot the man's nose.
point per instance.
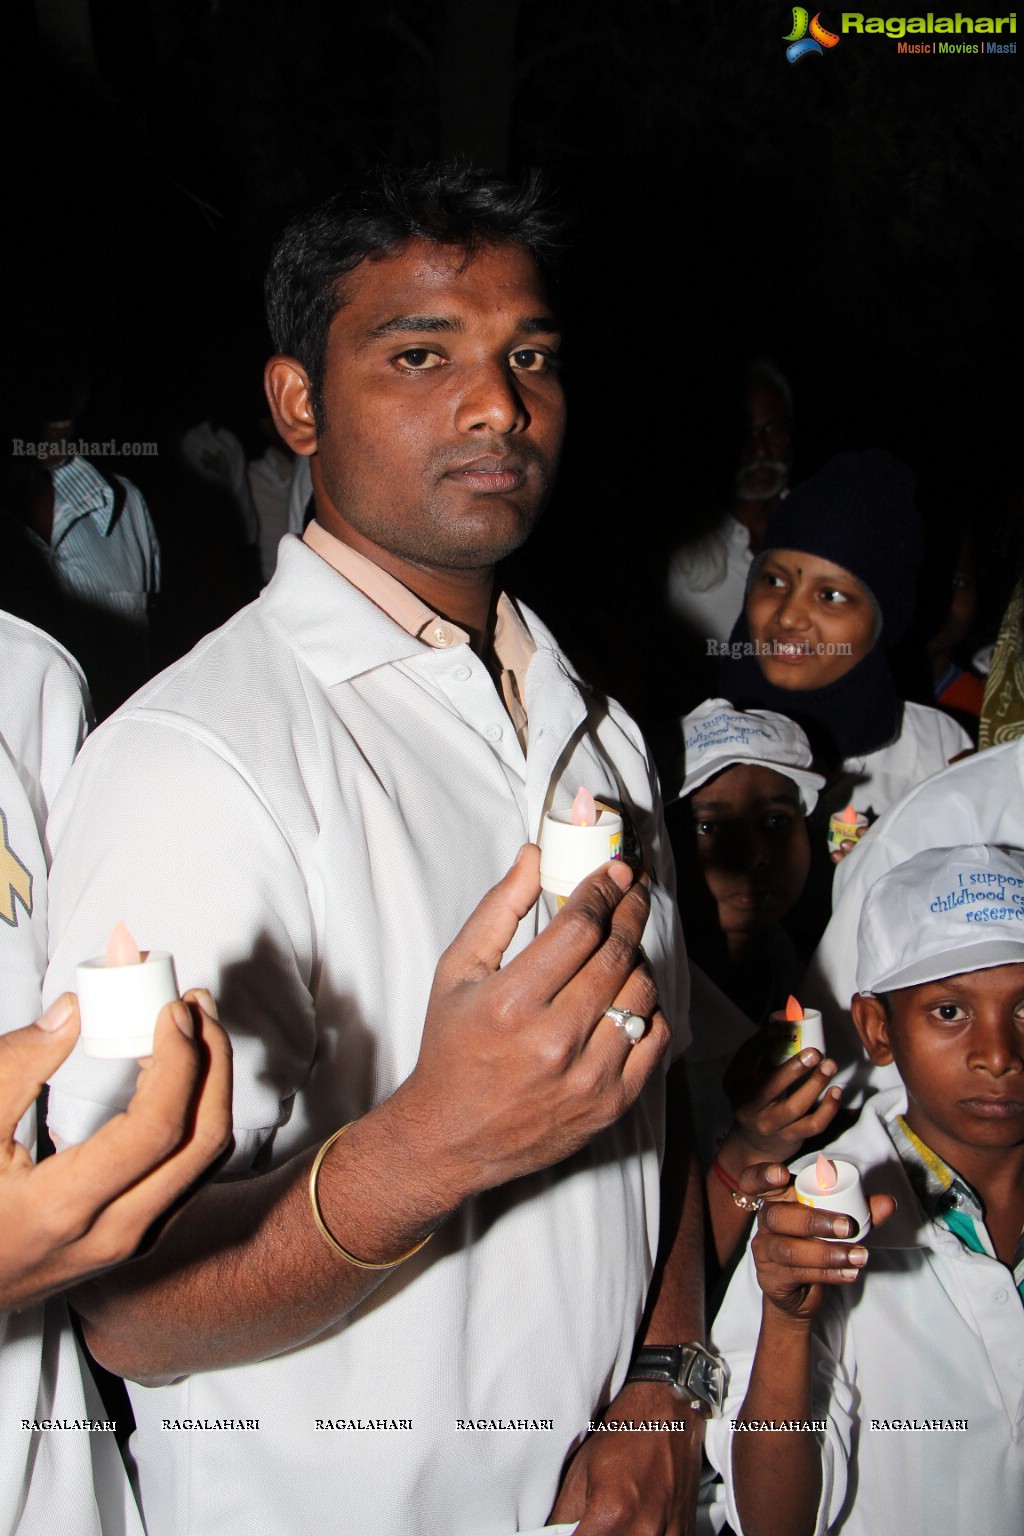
(490, 401)
(998, 1046)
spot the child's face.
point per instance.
(813, 621)
(751, 843)
(959, 1047)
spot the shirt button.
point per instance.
(1000, 1296)
(461, 674)
(442, 634)
(493, 732)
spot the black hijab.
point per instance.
(858, 512)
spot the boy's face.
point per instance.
(958, 1045)
(752, 848)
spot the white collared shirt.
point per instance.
(305, 811)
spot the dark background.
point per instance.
(857, 216)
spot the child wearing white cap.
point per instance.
(745, 790)
(899, 1386)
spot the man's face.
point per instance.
(767, 452)
(443, 408)
(959, 1047)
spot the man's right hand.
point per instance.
(518, 1066)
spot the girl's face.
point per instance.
(811, 620)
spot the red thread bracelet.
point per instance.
(725, 1178)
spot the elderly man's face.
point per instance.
(443, 407)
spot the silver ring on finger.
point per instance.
(633, 1026)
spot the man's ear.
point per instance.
(287, 385)
(872, 1024)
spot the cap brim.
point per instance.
(981, 956)
(809, 784)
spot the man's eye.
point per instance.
(704, 828)
(949, 1013)
(532, 360)
(418, 360)
(834, 595)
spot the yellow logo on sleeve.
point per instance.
(15, 880)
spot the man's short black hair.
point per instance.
(448, 203)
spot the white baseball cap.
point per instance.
(716, 735)
(943, 912)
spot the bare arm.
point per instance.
(518, 1068)
(778, 1477)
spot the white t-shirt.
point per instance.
(927, 742)
(932, 1331)
(305, 811)
(53, 1481)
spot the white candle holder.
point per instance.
(846, 1197)
(119, 1004)
(841, 831)
(569, 853)
(791, 1036)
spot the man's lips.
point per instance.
(489, 472)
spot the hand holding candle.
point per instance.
(846, 826)
(120, 995)
(572, 846)
(835, 1186)
(793, 1030)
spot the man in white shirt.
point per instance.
(338, 776)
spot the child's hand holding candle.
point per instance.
(835, 1186)
(794, 1030)
(572, 846)
(120, 995)
(846, 826)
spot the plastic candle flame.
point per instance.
(794, 1012)
(584, 811)
(825, 1173)
(121, 947)
(849, 816)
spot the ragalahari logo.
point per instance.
(808, 35)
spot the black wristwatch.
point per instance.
(691, 1369)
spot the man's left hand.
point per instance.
(636, 1483)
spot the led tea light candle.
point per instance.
(829, 1186)
(794, 1030)
(846, 826)
(572, 846)
(120, 995)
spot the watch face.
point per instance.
(705, 1377)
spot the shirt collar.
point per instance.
(513, 645)
(79, 490)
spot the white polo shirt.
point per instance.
(932, 1333)
(306, 810)
(55, 1475)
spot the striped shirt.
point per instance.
(103, 546)
(949, 1199)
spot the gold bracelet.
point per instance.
(329, 1236)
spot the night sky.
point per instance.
(856, 216)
